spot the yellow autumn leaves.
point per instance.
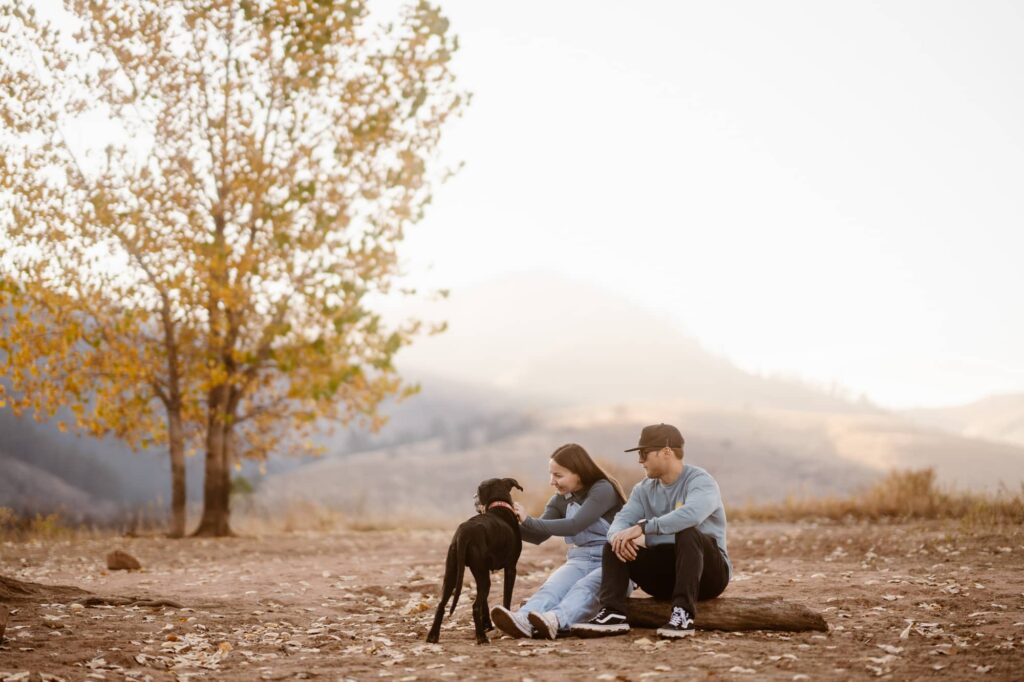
(209, 290)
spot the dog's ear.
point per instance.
(512, 483)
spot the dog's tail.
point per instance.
(460, 571)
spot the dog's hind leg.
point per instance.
(510, 582)
(450, 572)
(481, 617)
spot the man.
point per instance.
(669, 539)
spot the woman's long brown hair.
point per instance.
(574, 458)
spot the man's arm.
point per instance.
(702, 498)
(630, 513)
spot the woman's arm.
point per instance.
(599, 500)
(536, 535)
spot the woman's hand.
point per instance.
(520, 511)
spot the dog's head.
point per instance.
(495, 490)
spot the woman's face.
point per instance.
(562, 479)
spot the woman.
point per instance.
(581, 510)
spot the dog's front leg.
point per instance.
(510, 582)
(481, 617)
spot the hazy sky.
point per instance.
(827, 190)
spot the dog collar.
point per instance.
(499, 503)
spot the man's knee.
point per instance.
(689, 538)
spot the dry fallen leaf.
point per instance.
(906, 631)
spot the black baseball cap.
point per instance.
(659, 436)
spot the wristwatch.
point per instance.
(643, 525)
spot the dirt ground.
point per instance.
(909, 601)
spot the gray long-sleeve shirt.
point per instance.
(599, 501)
(692, 500)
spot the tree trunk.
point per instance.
(178, 497)
(217, 479)
(732, 614)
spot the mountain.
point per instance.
(552, 339)
(997, 418)
(531, 362)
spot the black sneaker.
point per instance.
(680, 624)
(606, 622)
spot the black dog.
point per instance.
(486, 542)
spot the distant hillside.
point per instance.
(756, 455)
(81, 477)
(45, 470)
(539, 335)
(999, 418)
(529, 363)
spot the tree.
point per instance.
(110, 363)
(273, 155)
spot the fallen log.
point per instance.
(732, 614)
(11, 590)
(128, 601)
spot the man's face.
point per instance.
(653, 461)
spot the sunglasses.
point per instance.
(643, 454)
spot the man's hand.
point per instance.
(520, 511)
(624, 543)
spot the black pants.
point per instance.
(690, 570)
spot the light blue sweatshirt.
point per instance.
(693, 500)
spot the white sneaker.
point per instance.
(512, 624)
(545, 624)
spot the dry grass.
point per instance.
(304, 516)
(298, 516)
(14, 527)
(901, 495)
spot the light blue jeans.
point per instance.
(571, 591)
